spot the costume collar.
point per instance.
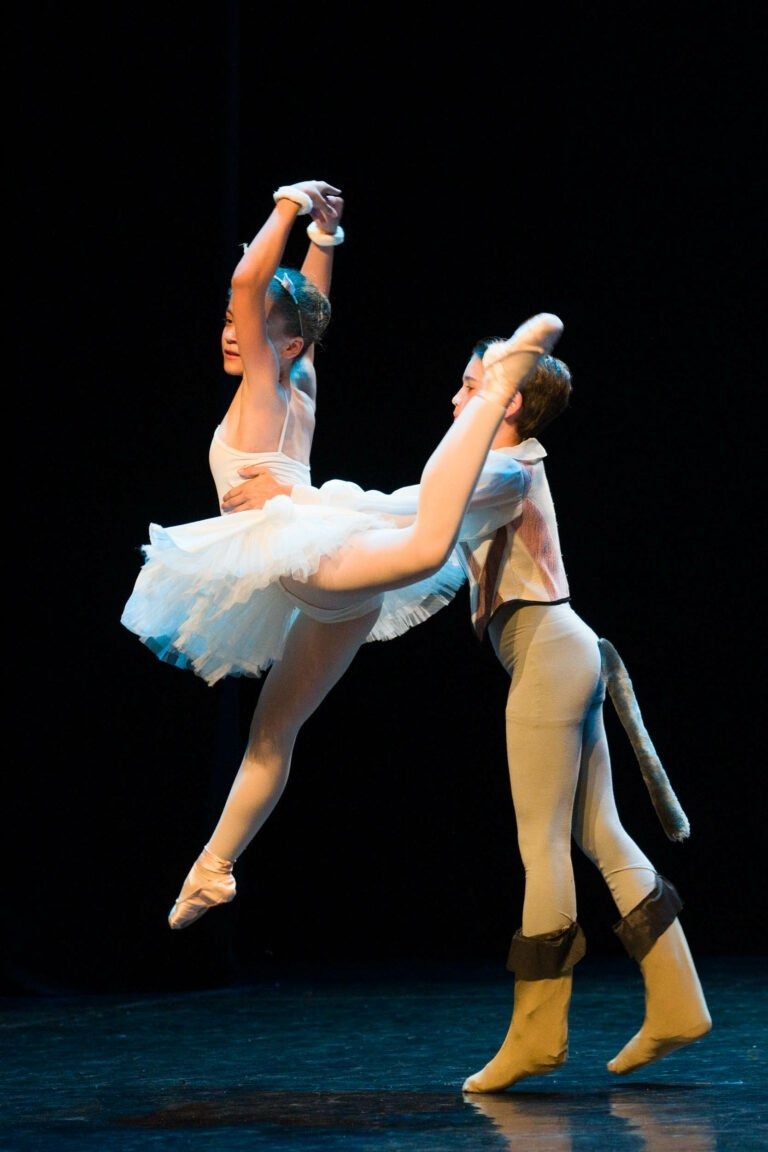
(529, 451)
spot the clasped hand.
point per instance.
(327, 202)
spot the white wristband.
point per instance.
(289, 192)
(325, 239)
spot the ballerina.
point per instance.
(295, 589)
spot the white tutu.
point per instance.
(208, 596)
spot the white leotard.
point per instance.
(289, 463)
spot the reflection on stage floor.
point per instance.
(326, 1062)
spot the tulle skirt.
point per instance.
(208, 596)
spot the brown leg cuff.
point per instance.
(544, 957)
(640, 929)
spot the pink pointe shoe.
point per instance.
(508, 363)
(210, 882)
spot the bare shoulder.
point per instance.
(303, 377)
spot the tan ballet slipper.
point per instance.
(209, 882)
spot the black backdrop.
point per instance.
(602, 165)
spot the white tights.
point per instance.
(559, 765)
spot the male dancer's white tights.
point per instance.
(559, 765)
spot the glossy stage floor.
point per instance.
(375, 1064)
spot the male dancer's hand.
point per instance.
(259, 485)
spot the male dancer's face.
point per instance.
(471, 382)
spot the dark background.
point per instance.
(599, 162)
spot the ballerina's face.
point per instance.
(230, 351)
(233, 364)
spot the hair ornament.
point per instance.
(286, 283)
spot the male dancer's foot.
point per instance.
(210, 882)
(537, 1039)
(676, 1012)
